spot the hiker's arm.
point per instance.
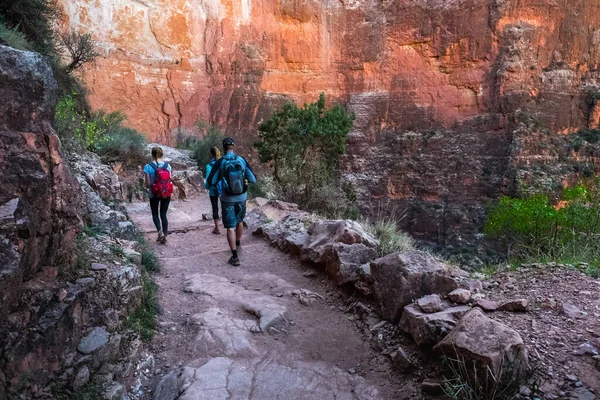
(214, 176)
(147, 180)
(207, 174)
(250, 177)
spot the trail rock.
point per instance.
(486, 305)
(582, 393)
(114, 391)
(431, 303)
(326, 233)
(401, 277)
(254, 220)
(101, 178)
(428, 329)
(223, 378)
(401, 360)
(295, 242)
(477, 338)
(221, 334)
(187, 183)
(99, 267)
(460, 296)
(169, 387)
(343, 261)
(571, 310)
(269, 310)
(514, 305)
(93, 341)
(81, 378)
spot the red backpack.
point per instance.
(162, 186)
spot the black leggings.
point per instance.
(164, 206)
(214, 201)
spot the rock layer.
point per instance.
(437, 86)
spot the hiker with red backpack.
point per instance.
(157, 177)
(233, 173)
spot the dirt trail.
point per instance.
(209, 320)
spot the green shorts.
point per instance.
(233, 213)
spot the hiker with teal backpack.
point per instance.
(234, 174)
(213, 191)
(157, 177)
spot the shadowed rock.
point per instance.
(402, 277)
(261, 379)
(488, 343)
(428, 329)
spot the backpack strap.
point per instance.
(216, 167)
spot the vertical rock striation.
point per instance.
(438, 86)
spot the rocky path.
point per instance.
(269, 329)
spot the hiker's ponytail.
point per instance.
(215, 152)
(157, 153)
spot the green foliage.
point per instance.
(584, 136)
(391, 239)
(101, 132)
(13, 37)
(303, 145)
(34, 20)
(143, 320)
(92, 391)
(201, 145)
(149, 260)
(466, 380)
(535, 230)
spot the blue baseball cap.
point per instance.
(228, 142)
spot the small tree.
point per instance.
(303, 146)
(80, 48)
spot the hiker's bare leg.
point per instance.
(239, 231)
(231, 233)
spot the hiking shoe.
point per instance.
(164, 239)
(160, 237)
(235, 261)
(216, 231)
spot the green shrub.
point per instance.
(466, 380)
(101, 133)
(34, 19)
(391, 239)
(302, 146)
(534, 230)
(13, 37)
(143, 319)
(201, 145)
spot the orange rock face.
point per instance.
(466, 69)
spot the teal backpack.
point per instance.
(234, 176)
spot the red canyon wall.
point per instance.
(438, 86)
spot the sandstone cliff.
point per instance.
(455, 72)
(54, 307)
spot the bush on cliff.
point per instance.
(13, 37)
(200, 145)
(34, 20)
(100, 132)
(302, 146)
(534, 230)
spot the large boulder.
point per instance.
(400, 278)
(326, 233)
(41, 202)
(100, 177)
(344, 262)
(429, 328)
(187, 183)
(487, 343)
